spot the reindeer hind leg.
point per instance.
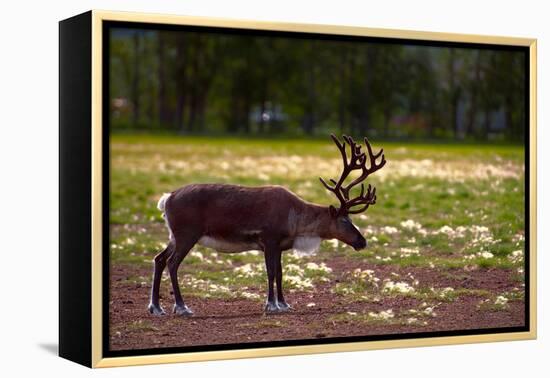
(182, 248)
(160, 263)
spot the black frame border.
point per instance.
(75, 191)
(108, 25)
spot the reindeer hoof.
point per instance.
(271, 308)
(182, 310)
(283, 306)
(156, 310)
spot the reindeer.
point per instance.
(234, 218)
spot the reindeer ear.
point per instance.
(333, 211)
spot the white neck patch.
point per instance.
(306, 245)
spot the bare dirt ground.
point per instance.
(223, 321)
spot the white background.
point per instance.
(28, 158)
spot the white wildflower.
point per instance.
(446, 292)
(516, 256)
(197, 254)
(501, 301)
(389, 230)
(369, 230)
(299, 282)
(382, 315)
(333, 243)
(518, 238)
(445, 230)
(411, 225)
(294, 268)
(399, 287)
(367, 275)
(250, 295)
(249, 270)
(486, 255)
(407, 252)
(318, 267)
(429, 311)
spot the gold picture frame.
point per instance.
(96, 18)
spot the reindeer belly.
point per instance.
(228, 245)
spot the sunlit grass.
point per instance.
(439, 206)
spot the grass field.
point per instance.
(446, 239)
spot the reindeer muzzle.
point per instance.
(360, 244)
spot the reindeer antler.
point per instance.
(357, 161)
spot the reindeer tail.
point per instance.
(162, 202)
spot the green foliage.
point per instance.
(446, 211)
(211, 83)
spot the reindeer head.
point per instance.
(341, 226)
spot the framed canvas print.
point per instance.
(235, 189)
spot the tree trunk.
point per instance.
(163, 111)
(245, 115)
(510, 124)
(180, 113)
(365, 114)
(195, 79)
(263, 97)
(454, 114)
(309, 116)
(136, 81)
(201, 113)
(151, 103)
(234, 113)
(342, 97)
(352, 114)
(387, 116)
(487, 123)
(454, 92)
(181, 84)
(472, 114)
(193, 112)
(451, 72)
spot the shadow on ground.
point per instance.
(52, 348)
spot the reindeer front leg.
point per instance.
(271, 253)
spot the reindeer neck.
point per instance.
(313, 220)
